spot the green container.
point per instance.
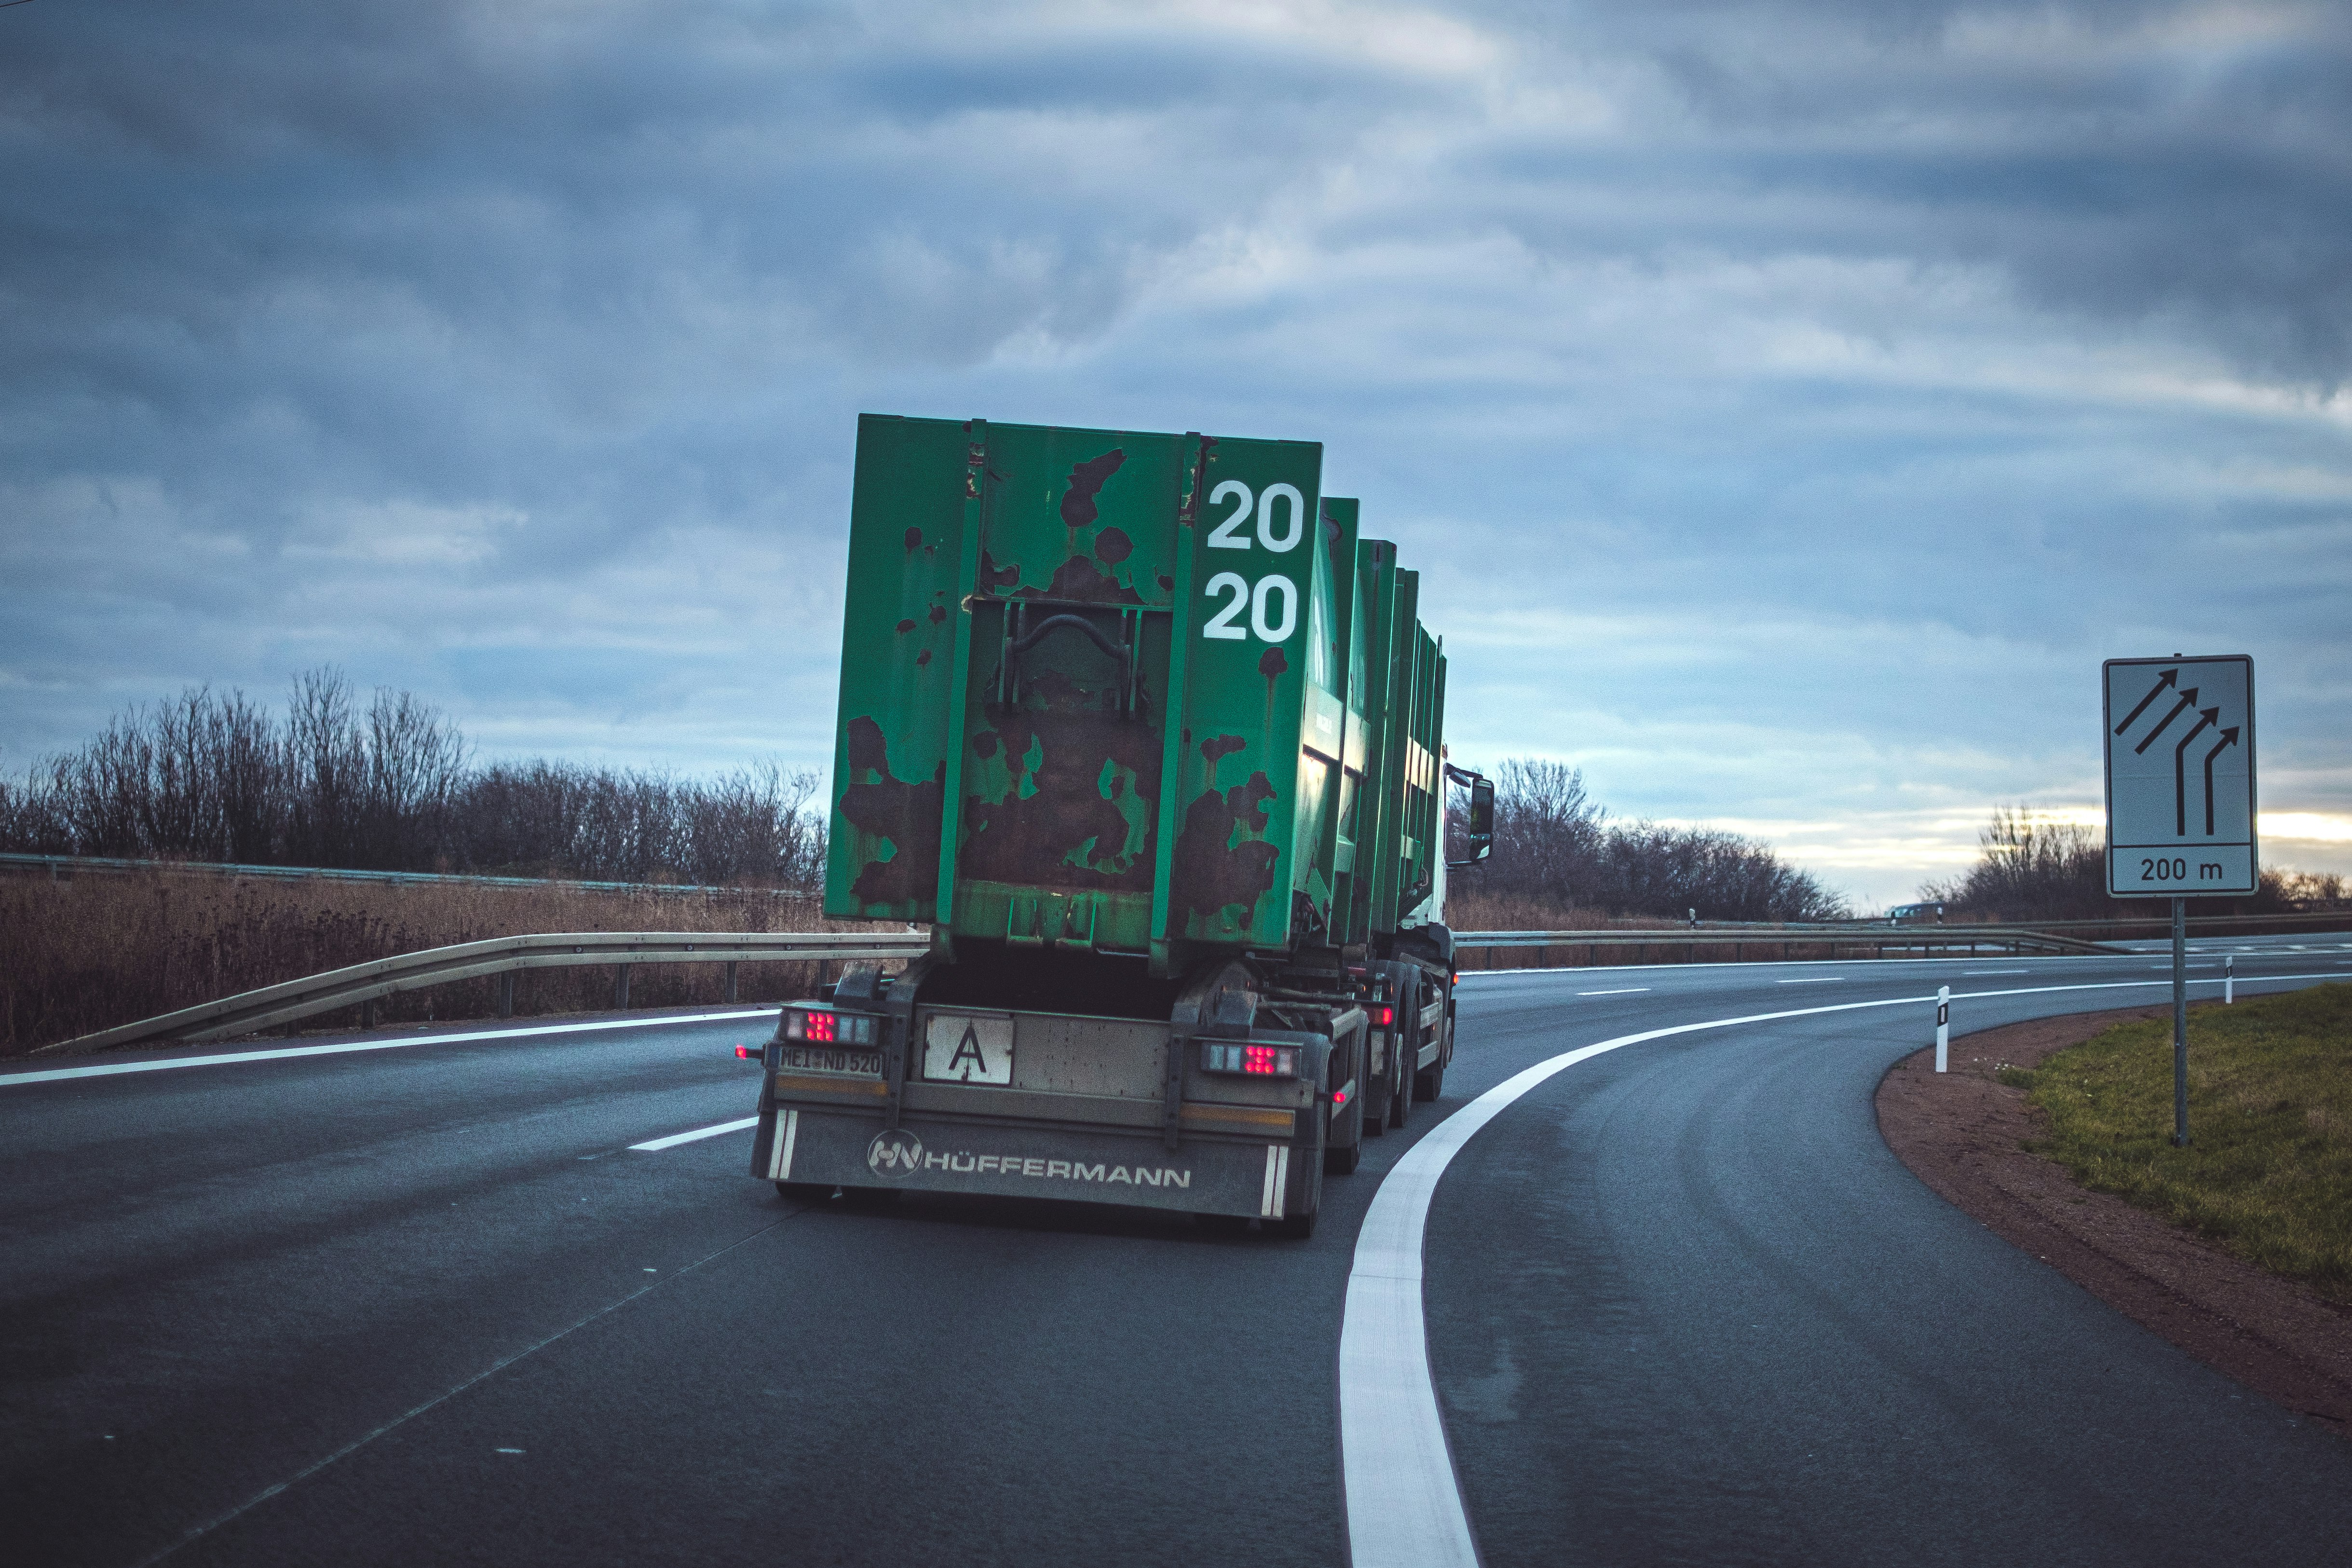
(1015, 595)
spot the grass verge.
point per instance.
(2268, 1171)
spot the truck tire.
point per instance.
(1408, 1043)
(1343, 1148)
(1430, 1083)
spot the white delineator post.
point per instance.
(2229, 981)
(1943, 1024)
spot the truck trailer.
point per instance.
(1151, 740)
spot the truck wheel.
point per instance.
(1401, 1099)
(1430, 1081)
(805, 1192)
(1344, 1147)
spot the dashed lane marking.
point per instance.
(1621, 991)
(674, 1140)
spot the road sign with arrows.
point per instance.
(2180, 776)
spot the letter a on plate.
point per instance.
(968, 1047)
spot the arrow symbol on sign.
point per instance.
(2179, 766)
(2228, 739)
(2188, 700)
(2169, 677)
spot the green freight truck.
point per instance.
(1151, 740)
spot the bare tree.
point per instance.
(1554, 843)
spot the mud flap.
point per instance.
(1208, 1175)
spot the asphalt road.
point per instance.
(427, 1305)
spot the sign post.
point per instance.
(2180, 740)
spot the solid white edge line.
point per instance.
(109, 1070)
(675, 1139)
(1623, 991)
(1396, 1463)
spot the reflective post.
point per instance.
(1943, 1024)
(2180, 1023)
(2230, 980)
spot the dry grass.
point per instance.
(2268, 1171)
(99, 950)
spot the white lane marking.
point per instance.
(1404, 1508)
(1814, 980)
(1996, 972)
(107, 1069)
(675, 1139)
(1621, 991)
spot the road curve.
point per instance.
(429, 1304)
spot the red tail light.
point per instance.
(1250, 1060)
(745, 1053)
(1383, 1016)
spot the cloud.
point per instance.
(1788, 406)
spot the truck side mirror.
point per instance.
(1478, 832)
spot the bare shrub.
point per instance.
(94, 952)
(390, 786)
(1554, 845)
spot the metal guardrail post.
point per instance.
(506, 995)
(620, 987)
(730, 982)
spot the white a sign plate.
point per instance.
(2180, 776)
(968, 1047)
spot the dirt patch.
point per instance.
(1962, 1135)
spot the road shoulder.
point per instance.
(1962, 1135)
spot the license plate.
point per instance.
(849, 1062)
(967, 1047)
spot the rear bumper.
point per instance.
(1209, 1174)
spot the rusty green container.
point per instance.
(1152, 689)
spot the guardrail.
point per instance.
(60, 866)
(362, 984)
(1923, 939)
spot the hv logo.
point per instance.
(895, 1153)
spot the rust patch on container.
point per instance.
(1086, 483)
(1081, 580)
(1081, 749)
(908, 815)
(1218, 747)
(906, 625)
(939, 614)
(1272, 667)
(991, 575)
(914, 539)
(923, 657)
(1112, 546)
(1209, 874)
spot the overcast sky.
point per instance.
(1788, 405)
